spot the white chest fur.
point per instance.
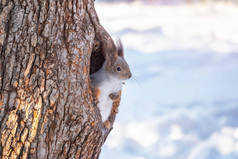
(107, 85)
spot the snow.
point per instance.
(182, 100)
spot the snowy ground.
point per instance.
(183, 100)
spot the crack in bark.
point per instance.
(7, 30)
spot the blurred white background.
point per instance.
(182, 102)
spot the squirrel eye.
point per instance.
(118, 68)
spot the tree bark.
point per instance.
(48, 48)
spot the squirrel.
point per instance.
(107, 81)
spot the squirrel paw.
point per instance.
(114, 96)
(115, 110)
(96, 93)
(107, 124)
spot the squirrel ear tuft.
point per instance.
(120, 48)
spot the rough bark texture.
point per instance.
(47, 108)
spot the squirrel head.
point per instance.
(118, 66)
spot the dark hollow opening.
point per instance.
(97, 58)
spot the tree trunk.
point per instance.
(47, 108)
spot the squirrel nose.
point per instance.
(129, 75)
